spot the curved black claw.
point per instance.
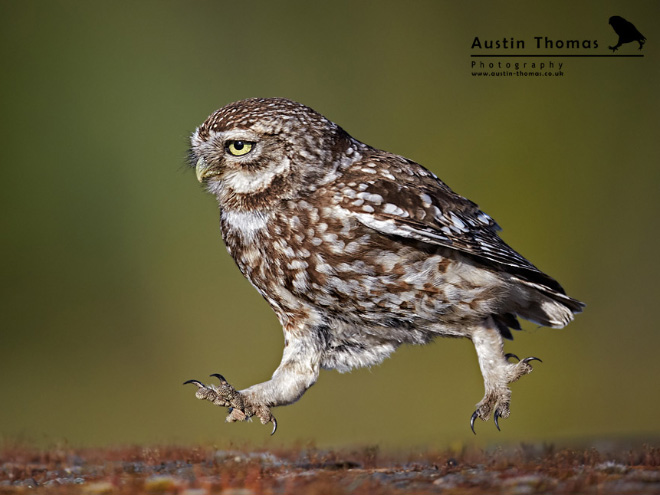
(472, 419)
(497, 416)
(527, 360)
(511, 355)
(196, 382)
(219, 377)
(274, 421)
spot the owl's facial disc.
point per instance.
(225, 151)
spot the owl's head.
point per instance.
(267, 149)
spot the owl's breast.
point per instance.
(248, 237)
(293, 252)
(313, 256)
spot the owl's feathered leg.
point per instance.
(297, 372)
(497, 371)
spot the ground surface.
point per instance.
(206, 470)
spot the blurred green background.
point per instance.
(115, 283)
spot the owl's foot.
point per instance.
(240, 408)
(498, 398)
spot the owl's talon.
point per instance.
(532, 358)
(475, 415)
(511, 355)
(196, 382)
(274, 421)
(496, 417)
(219, 377)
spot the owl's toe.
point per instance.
(501, 411)
(482, 412)
(236, 415)
(206, 392)
(225, 395)
(496, 401)
(240, 408)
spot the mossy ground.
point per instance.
(243, 471)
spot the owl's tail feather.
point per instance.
(543, 305)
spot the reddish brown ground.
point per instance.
(205, 470)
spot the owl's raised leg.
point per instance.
(497, 371)
(297, 372)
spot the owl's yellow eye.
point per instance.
(239, 148)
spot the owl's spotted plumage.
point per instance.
(358, 251)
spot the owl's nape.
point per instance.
(358, 251)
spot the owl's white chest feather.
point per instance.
(247, 224)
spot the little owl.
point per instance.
(358, 251)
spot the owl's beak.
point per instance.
(202, 169)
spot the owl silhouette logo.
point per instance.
(627, 32)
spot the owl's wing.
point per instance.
(398, 197)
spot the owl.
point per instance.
(627, 32)
(359, 251)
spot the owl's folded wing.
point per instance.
(426, 209)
